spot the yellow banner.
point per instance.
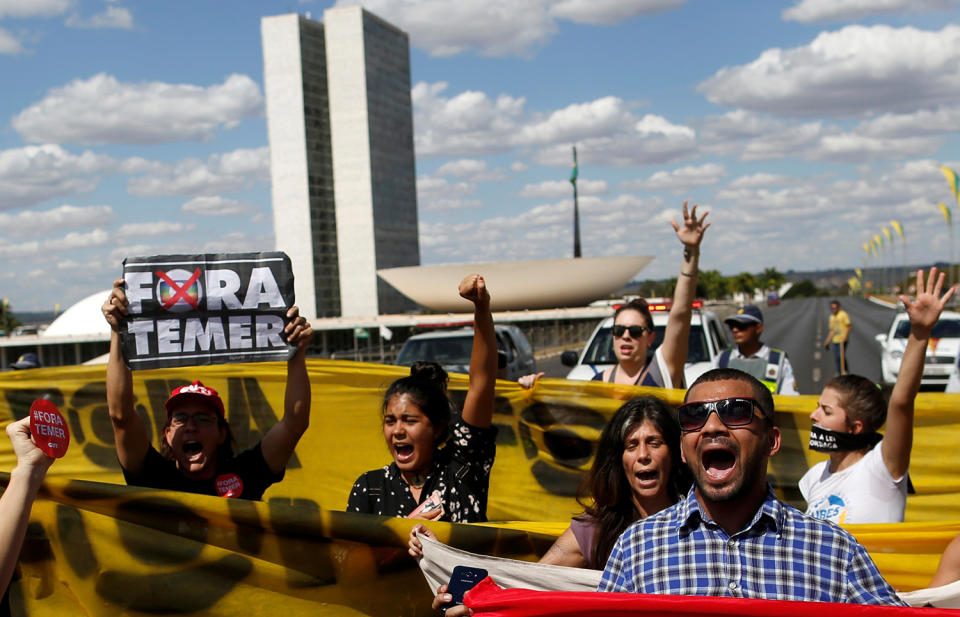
(101, 549)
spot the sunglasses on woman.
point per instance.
(635, 331)
(732, 412)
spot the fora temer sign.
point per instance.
(206, 309)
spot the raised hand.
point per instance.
(299, 331)
(115, 307)
(474, 289)
(925, 309)
(691, 232)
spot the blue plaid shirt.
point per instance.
(782, 554)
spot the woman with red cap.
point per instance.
(196, 454)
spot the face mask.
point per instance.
(826, 440)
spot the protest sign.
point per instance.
(206, 309)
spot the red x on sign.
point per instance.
(179, 292)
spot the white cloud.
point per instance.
(462, 168)
(608, 12)
(153, 228)
(604, 130)
(809, 11)
(923, 122)
(438, 194)
(552, 189)
(9, 43)
(215, 205)
(103, 110)
(76, 239)
(499, 27)
(221, 173)
(680, 179)
(113, 17)
(518, 166)
(33, 174)
(34, 8)
(851, 71)
(758, 180)
(42, 222)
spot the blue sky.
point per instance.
(803, 126)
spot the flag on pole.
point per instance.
(878, 241)
(576, 169)
(945, 211)
(886, 231)
(897, 227)
(385, 333)
(953, 181)
(866, 247)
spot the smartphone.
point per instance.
(463, 579)
(429, 504)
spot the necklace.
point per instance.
(417, 481)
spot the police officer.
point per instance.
(770, 366)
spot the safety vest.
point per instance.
(772, 372)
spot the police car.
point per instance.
(942, 350)
(708, 338)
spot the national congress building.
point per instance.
(340, 127)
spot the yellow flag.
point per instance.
(953, 181)
(897, 227)
(886, 231)
(878, 241)
(945, 211)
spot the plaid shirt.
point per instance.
(781, 555)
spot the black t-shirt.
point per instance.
(246, 476)
(460, 471)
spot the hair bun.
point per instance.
(430, 372)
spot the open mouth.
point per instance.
(647, 477)
(192, 447)
(403, 452)
(718, 463)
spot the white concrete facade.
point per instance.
(350, 145)
(286, 131)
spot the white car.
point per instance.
(708, 338)
(941, 351)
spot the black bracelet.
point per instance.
(687, 274)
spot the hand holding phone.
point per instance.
(463, 579)
(431, 508)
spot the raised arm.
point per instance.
(923, 312)
(129, 431)
(17, 498)
(278, 444)
(676, 338)
(478, 406)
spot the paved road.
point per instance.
(799, 327)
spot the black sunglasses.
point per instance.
(635, 331)
(732, 412)
(740, 325)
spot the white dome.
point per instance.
(82, 319)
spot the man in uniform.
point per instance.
(771, 366)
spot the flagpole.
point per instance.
(576, 208)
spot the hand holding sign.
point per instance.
(48, 429)
(115, 307)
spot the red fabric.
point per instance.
(489, 600)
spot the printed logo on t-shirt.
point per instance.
(831, 508)
(229, 485)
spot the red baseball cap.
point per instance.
(198, 392)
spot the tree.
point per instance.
(7, 321)
(712, 285)
(744, 282)
(771, 278)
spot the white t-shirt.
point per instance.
(865, 492)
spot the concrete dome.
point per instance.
(82, 319)
(518, 285)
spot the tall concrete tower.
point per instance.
(340, 125)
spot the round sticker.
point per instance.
(48, 428)
(229, 485)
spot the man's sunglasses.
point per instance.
(740, 325)
(732, 412)
(635, 331)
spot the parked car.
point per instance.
(773, 299)
(708, 338)
(451, 349)
(941, 351)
